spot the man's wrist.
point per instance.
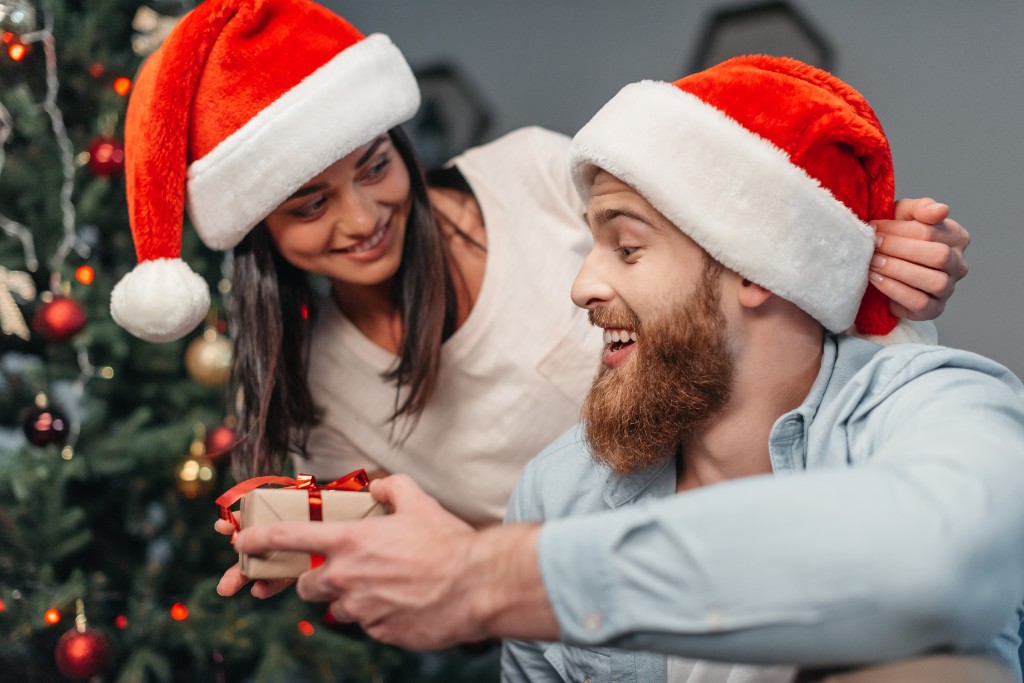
(507, 598)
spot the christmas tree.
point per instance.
(112, 450)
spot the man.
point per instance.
(748, 485)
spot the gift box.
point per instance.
(301, 500)
(268, 506)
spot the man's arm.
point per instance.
(911, 551)
(916, 550)
(419, 577)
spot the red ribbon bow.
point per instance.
(353, 481)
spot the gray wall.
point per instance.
(946, 78)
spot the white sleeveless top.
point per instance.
(512, 377)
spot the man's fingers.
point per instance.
(232, 581)
(339, 613)
(223, 526)
(315, 586)
(397, 491)
(305, 537)
(266, 588)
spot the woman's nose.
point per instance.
(356, 215)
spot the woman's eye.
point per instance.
(310, 208)
(378, 168)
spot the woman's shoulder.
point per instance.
(529, 154)
(532, 139)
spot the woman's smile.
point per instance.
(372, 247)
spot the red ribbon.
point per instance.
(353, 481)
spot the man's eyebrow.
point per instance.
(601, 216)
(373, 148)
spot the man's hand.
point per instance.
(234, 580)
(919, 258)
(407, 577)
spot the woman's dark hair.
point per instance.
(272, 315)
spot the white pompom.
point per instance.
(160, 300)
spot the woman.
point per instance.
(444, 344)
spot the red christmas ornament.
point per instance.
(219, 443)
(81, 654)
(59, 319)
(45, 425)
(106, 157)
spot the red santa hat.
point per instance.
(244, 102)
(772, 166)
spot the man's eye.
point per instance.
(626, 252)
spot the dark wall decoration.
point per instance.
(451, 118)
(774, 28)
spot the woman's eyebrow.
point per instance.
(369, 153)
(308, 189)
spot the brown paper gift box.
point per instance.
(267, 506)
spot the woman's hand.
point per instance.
(234, 580)
(919, 258)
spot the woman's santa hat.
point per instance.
(244, 103)
(772, 166)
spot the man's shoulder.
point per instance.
(562, 479)
(865, 375)
(893, 366)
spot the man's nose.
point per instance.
(590, 288)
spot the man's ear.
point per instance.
(751, 295)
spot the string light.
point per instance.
(71, 240)
(122, 85)
(121, 621)
(52, 616)
(305, 628)
(179, 612)
(17, 51)
(85, 274)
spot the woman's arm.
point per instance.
(919, 258)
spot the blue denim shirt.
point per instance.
(893, 525)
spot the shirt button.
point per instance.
(592, 622)
(715, 619)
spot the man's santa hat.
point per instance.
(244, 103)
(772, 166)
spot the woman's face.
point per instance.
(348, 223)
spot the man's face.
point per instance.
(666, 368)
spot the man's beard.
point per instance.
(680, 376)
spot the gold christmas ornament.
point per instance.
(152, 28)
(208, 358)
(194, 475)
